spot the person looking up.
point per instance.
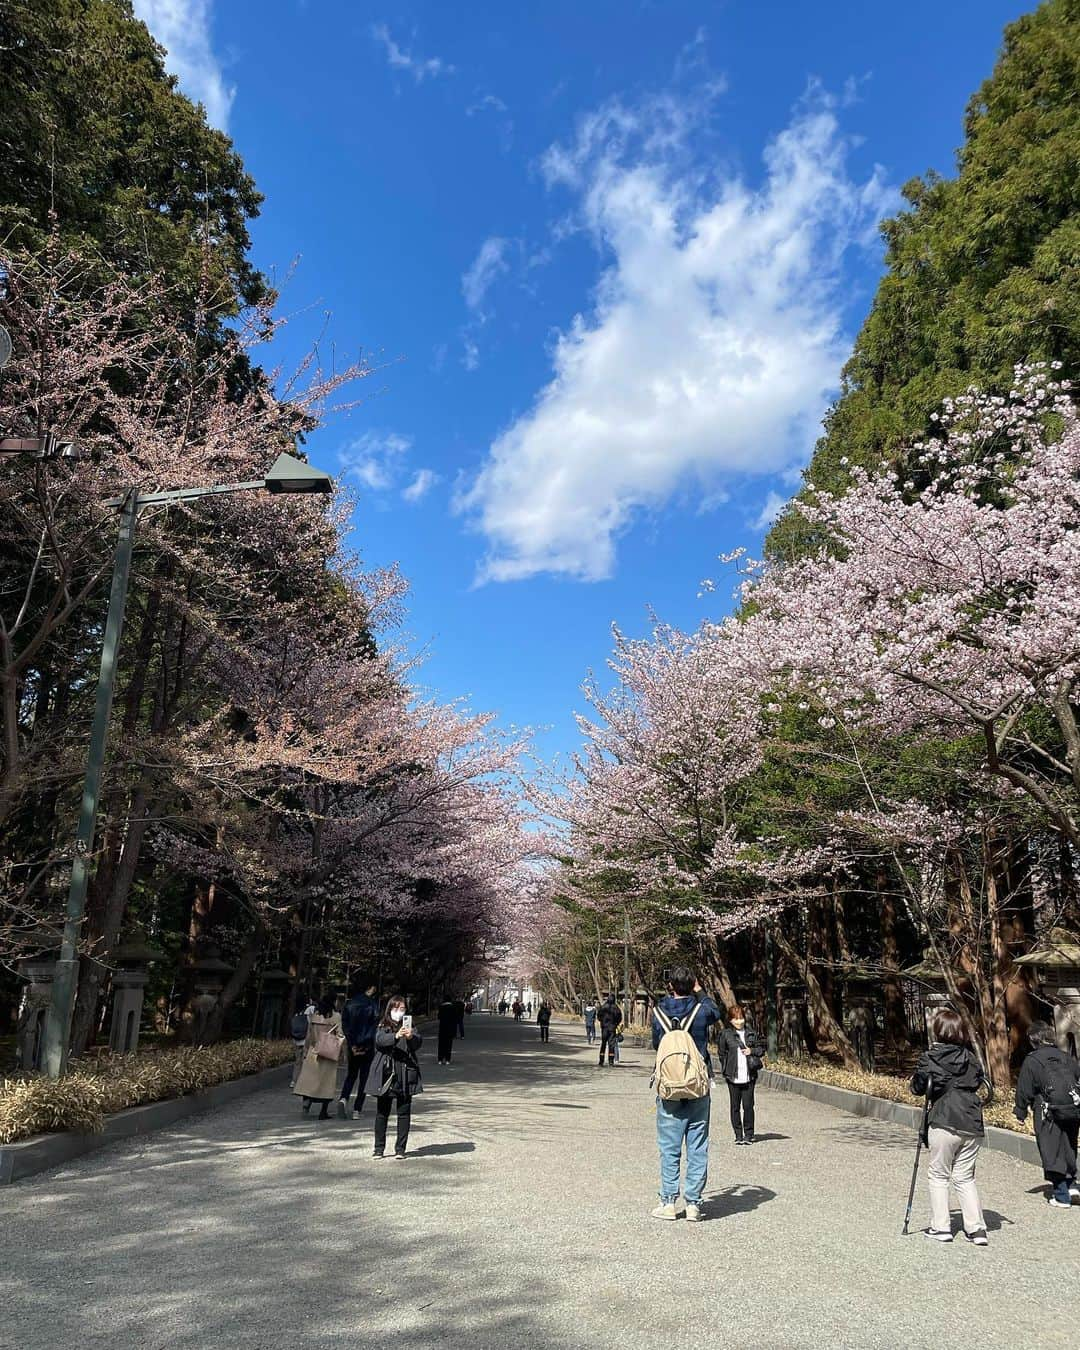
(358, 1021)
(394, 1078)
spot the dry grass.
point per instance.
(891, 1088)
(83, 1098)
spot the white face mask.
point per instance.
(396, 1014)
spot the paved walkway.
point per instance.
(521, 1220)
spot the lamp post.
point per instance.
(288, 474)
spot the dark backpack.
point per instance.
(298, 1027)
(1061, 1092)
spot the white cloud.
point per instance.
(398, 58)
(712, 347)
(488, 264)
(771, 511)
(375, 458)
(183, 29)
(421, 485)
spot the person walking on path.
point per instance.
(448, 1018)
(517, 1010)
(951, 1072)
(299, 1029)
(1046, 1086)
(358, 1021)
(317, 1079)
(609, 1017)
(543, 1021)
(459, 1008)
(394, 1079)
(685, 1121)
(590, 1023)
(742, 1055)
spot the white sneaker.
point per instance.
(341, 1108)
(665, 1212)
(1074, 1190)
(693, 1213)
(938, 1234)
(1055, 1203)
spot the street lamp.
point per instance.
(288, 474)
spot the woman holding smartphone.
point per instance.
(395, 1074)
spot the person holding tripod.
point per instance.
(950, 1074)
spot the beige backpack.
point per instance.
(680, 1074)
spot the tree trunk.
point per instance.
(896, 1029)
(818, 1003)
(236, 983)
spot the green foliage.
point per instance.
(983, 270)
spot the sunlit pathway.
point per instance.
(520, 1220)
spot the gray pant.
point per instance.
(952, 1158)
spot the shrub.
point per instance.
(83, 1098)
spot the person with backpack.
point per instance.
(1049, 1086)
(590, 1023)
(680, 1031)
(950, 1075)
(394, 1079)
(298, 1031)
(742, 1056)
(447, 1017)
(609, 1017)
(358, 1020)
(543, 1021)
(317, 1080)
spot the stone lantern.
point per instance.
(793, 1021)
(930, 980)
(38, 972)
(273, 984)
(861, 998)
(132, 969)
(1056, 962)
(209, 974)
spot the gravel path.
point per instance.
(520, 1220)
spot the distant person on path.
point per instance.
(684, 1120)
(461, 1008)
(528, 1008)
(1047, 1082)
(742, 1054)
(590, 1023)
(609, 1017)
(448, 1017)
(317, 1079)
(951, 1070)
(298, 1030)
(358, 1020)
(543, 1021)
(502, 1007)
(516, 1010)
(395, 1075)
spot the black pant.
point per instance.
(461, 1027)
(742, 1108)
(607, 1038)
(543, 1031)
(382, 1120)
(359, 1068)
(446, 1043)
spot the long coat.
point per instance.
(318, 1077)
(1057, 1144)
(395, 1067)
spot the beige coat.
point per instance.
(318, 1077)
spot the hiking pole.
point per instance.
(918, 1151)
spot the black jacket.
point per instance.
(1057, 1144)
(956, 1074)
(609, 1015)
(728, 1052)
(358, 1020)
(543, 1015)
(395, 1066)
(448, 1018)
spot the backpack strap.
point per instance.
(688, 1021)
(665, 1021)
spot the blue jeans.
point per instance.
(676, 1122)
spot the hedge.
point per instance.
(34, 1104)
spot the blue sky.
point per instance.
(610, 257)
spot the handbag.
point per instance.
(328, 1045)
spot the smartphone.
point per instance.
(406, 1022)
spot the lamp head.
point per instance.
(289, 474)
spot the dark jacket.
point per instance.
(609, 1015)
(448, 1018)
(677, 1008)
(1057, 1143)
(359, 1018)
(543, 1015)
(729, 1052)
(956, 1074)
(395, 1067)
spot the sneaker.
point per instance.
(1055, 1203)
(978, 1238)
(378, 1153)
(307, 1107)
(693, 1213)
(399, 1156)
(750, 1139)
(938, 1234)
(667, 1211)
(1074, 1190)
(342, 1108)
(740, 1141)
